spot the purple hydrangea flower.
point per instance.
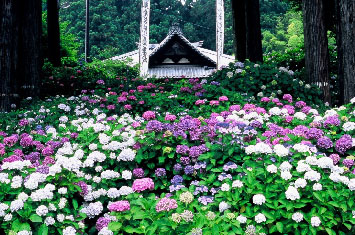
(343, 144)
(189, 170)
(160, 172)
(138, 172)
(177, 179)
(177, 167)
(325, 142)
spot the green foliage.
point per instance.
(114, 25)
(266, 80)
(72, 80)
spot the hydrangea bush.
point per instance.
(177, 157)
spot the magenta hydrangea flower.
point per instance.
(335, 157)
(119, 206)
(300, 104)
(235, 107)
(223, 98)
(199, 102)
(121, 99)
(166, 204)
(127, 107)
(170, 117)
(287, 97)
(140, 185)
(214, 102)
(265, 99)
(331, 121)
(149, 115)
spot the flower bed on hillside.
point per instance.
(190, 157)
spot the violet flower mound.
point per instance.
(166, 204)
(119, 206)
(343, 144)
(140, 185)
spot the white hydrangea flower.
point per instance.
(317, 187)
(298, 217)
(225, 187)
(349, 126)
(127, 175)
(315, 221)
(223, 206)
(22, 196)
(312, 175)
(325, 162)
(110, 174)
(280, 150)
(300, 115)
(126, 155)
(60, 218)
(237, 184)
(24, 232)
(42, 210)
(302, 148)
(292, 193)
(113, 193)
(286, 175)
(259, 218)
(351, 184)
(16, 205)
(105, 231)
(271, 168)
(8, 217)
(285, 166)
(302, 167)
(92, 209)
(93, 147)
(62, 190)
(300, 183)
(242, 219)
(125, 190)
(69, 231)
(16, 182)
(62, 203)
(259, 199)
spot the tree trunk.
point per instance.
(346, 49)
(8, 53)
(53, 32)
(316, 46)
(238, 10)
(30, 60)
(254, 49)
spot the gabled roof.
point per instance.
(177, 70)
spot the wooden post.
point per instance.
(87, 32)
(219, 31)
(144, 39)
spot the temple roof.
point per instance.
(176, 56)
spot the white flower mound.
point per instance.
(259, 218)
(292, 193)
(126, 155)
(281, 151)
(259, 199)
(315, 221)
(298, 217)
(271, 168)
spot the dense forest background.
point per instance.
(114, 24)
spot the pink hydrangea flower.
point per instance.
(265, 99)
(170, 117)
(199, 102)
(127, 107)
(140, 185)
(166, 204)
(148, 115)
(287, 97)
(223, 98)
(119, 206)
(235, 107)
(214, 102)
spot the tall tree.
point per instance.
(238, 9)
(53, 32)
(30, 57)
(316, 45)
(8, 52)
(346, 48)
(247, 30)
(20, 52)
(254, 47)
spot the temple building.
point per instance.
(177, 57)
